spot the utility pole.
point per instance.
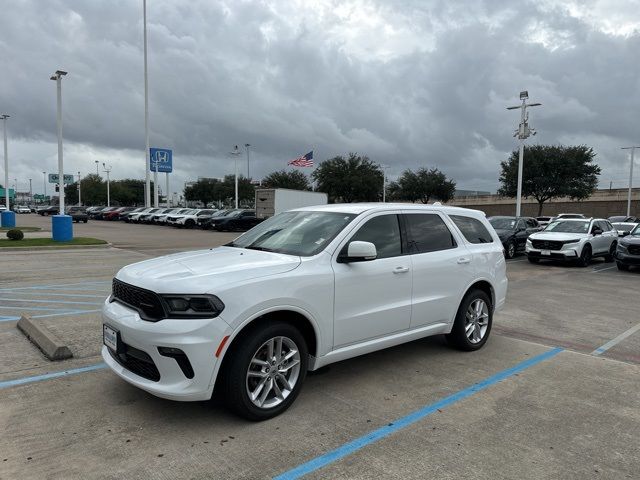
(247, 145)
(107, 170)
(633, 150)
(57, 77)
(235, 154)
(522, 133)
(147, 165)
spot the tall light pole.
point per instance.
(44, 185)
(107, 170)
(57, 77)
(155, 183)
(384, 183)
(147, 166)
(235, 154)
(633, 150)
(246, 146)
(79, 189)
(97, 165)
(30, 192)
(523, 132)
(6, 162)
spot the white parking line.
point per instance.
(616, 340)
(602, 269)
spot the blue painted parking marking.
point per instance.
(60, 314)
(48, 376)
(376, 435)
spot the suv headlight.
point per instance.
(192, 306)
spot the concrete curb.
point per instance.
(47, 342)
(61, 247)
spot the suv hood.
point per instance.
(558, 236)
(205, 271)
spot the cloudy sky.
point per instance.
(409, 83)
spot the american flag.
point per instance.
(304, 161)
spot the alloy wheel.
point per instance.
(477, 320)
(273, 372)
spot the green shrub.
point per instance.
(15, 234)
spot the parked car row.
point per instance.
(205, 218)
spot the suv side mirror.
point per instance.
(596, 231)
(359, 252)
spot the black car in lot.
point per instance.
(78, 214)
(513, 232)
(239, 220)
(628, 250)
(46, 211)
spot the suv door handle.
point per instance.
(464, 260)
(401, 270)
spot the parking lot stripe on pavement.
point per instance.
(63, 302)
(48, 376)
(615, 341)
(60, 314)
(376, 435)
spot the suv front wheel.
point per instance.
(265, 371)
(473, 322)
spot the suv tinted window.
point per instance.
(472, 229)
(384, 233)
(427, 232)
(532, 223)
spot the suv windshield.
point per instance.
(568, 226)
(295, 233)
(503, 223)
(636, 231)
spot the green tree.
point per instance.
(127, 192)
(551, 171)
(208, 191)
(354, 179)
(295, 180)
(423, 185)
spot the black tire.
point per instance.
(610, 257)
(510, 250)
(458, 337)
(585, 256)
(622, 266)
(189, 224)
(533, 260)
(84, 221)
(233, 380)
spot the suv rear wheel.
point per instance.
(473, 322)
(265, 371)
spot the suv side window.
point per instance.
(427, 232)
(384, 232)
(532, 223)
(472, 229)
(521, 225)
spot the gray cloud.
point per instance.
(407, 83)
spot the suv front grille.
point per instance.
(634, 249)
(146, 302)
(547, 244)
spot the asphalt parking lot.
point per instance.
(554, 394)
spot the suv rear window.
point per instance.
(427, 232)
(472, 229)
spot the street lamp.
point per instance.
(97, 162)
(8, 217)
(57, 77)
(44, 185)
(235, 154)
(523, 132)
(79, 188)
(247, 145)
(30, 192)
(107, 170)
(633, 150)
(384, 183)
(147, 165)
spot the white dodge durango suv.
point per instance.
(303, 289)
(574, 240)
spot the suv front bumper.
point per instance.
(198, 339)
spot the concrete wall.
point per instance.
(603, 203)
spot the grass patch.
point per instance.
(24, 229)
(47, 242)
